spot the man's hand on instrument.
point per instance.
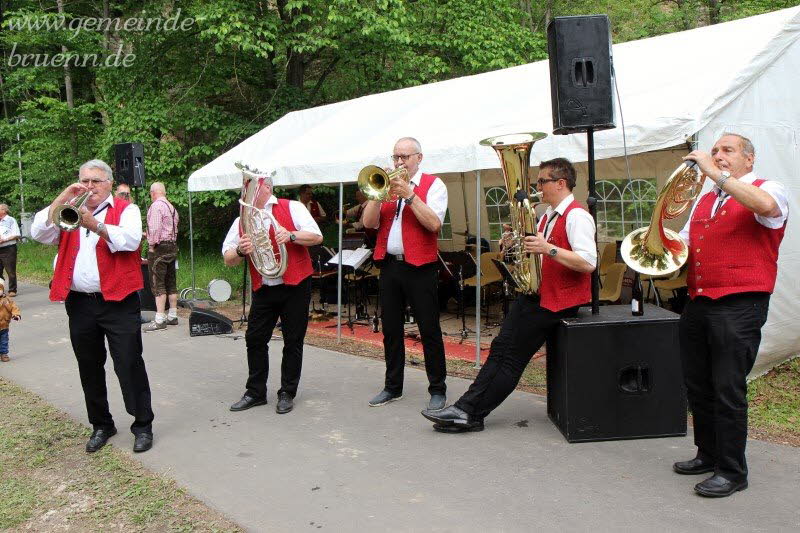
(536, 244)
(705, 162)
(245, 245)
(282, 236)
(87, 219)
(400, 188)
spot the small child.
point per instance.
(8, 311)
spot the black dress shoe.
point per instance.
(718, 486)
(142, 442)
(285, 403)
(99, 438)
(453, 420)
(693, 466)
(246, 403)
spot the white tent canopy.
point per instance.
(737, 76)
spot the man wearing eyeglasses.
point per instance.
(97, 275)
(566, 244)
(407, 247)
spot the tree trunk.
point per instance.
(714, 11)
(68, 86)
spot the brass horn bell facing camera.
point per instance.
(375, 182)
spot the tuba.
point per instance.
(270, 261)
(374, 181)
(68, 216)
(654, 249)
(514, 151)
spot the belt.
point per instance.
(394, 257)
(94, 295)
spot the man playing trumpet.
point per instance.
(407, 247)
(566, 244)
(285, 298)
(734, 233)
(97, 275)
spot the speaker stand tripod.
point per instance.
(243, 319)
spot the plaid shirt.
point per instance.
(162, 222)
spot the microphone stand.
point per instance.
(243, 320)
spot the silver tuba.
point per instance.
(269, 261)
(514, 151)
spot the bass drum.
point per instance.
(219, 290)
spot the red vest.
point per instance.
(562, 287)
(730, 252)
(313, 208)
(420, 246)
(120, 272)
(299, 261)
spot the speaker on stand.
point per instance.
(129, 164)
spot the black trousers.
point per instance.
(524, 330)
(8, 262)
(290, 304)
(402, 283)
(92, 321)
(719, 343)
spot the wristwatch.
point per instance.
(292, 237)
(100, 228)
(239, 252)
(553, 252)
(724, 175)
(410, 199)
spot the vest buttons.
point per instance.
(699, 277)
(701, 237)
(706, 226)
(699, 290)
(723, 213)
(698, 250)
(697, 264)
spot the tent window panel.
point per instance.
(497, 211)
(624, 206)
(446, 231)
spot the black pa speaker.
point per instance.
(208, 322)
(129, 163)
(147, 300)
(581, 87)
(616, 376)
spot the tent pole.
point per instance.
(478, 272)
(191, 245)
(339, 273)
(592, 203)
(466, 210)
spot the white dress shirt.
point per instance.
(436, 200)
(771, 187)
(580, 229)
(302, 219)
(124, 237)
(8, 228)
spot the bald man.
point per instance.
(162, 236)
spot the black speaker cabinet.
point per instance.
(146, 299)
(581, 87)
(616, 376)
(129, 163)
(208, 322)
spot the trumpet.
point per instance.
(68, 216)
(375, 182)
(654, 249)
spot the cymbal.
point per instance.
(463, 233)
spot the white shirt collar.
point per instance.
(109, 201)
(416, 178)
(272, 200)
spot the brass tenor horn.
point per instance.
(270, 261)
(654, 249)
(68, 216)
(374, 181)
(514, 151)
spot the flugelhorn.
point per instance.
(68, 216)
(375, 182)
(514, 151)
(268, 260)
(654, 249)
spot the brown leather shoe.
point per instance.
(4, 357)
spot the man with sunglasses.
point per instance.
(97, 276)
(734, 233)
(566, 244)
(407, 249)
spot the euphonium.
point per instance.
(654, 249)
(374, 182)
(255, 222)
(514, 151)
(68, 216)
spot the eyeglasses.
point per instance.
(542, 181)
(93, 182)
(404, 158)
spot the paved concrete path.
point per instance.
(336, 464)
